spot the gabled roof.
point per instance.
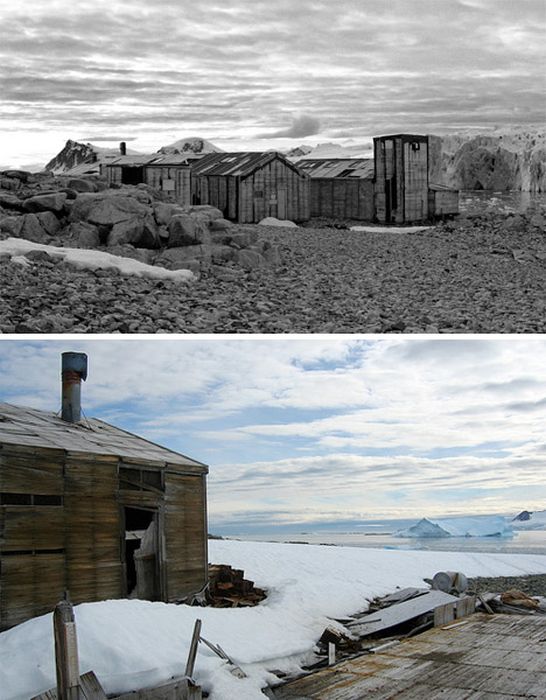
(33, 428)
(338, 167)
(238, 164)
(152, 159)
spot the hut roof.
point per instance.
(338, 167)
(33, 428)
(153, 159)
(240, 164)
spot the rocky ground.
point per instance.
(534, 585)
(477, 275)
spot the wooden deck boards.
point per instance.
(499, 657)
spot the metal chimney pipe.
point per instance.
(123, 148)
(73, 370)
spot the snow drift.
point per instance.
(494, 526)
(133, 644)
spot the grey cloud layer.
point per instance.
(250, 66)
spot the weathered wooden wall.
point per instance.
(415, 182)
(32, 562)
(272, 190)
(443, 201)
(174, 180)
(402, 178)
(62, 527)
(185, 534)
(92, 524)
(343, 198)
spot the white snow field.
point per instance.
(134, 644)
(86, 259)
(537, 521)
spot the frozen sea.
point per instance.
(379, 535)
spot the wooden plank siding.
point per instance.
(93, 557)
(342, 198)
(273, 189)
(185, 533)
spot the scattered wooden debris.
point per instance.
(229, 589)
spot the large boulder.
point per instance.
(80, 234)
(164, 212)
(10, 201)
(178, 258)
(53, 201)
(21, 175)
(32, 229)
(50, 223)
(222, 253)
(220, 225)
(81, 185)
(11, 225)
(107, 209)
(141, 233)
(187, 230)
(205, 212)
(250, 259)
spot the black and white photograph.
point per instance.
(273, 167)
(273, 350)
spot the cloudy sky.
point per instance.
(262, 73)
(320, 430)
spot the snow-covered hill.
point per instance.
(193, 144)
(530, 520)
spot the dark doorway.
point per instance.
(132, 174)
(141, 559)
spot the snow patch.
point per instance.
(134, 644)
(86, 259)
(391, 229)
(272, 221)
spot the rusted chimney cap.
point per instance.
(75, 362)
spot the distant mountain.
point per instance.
(530, 520)
(330, 150)
(75, 153)
(193, 144)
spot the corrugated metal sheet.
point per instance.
(362, 168)
(236, 164)
(31, 427)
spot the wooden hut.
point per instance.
(248, 187)
(341, 188)
(406, 165)
(169, 173)
(92, 509)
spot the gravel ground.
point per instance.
(482, 274)
(534, 585)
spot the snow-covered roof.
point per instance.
(30, 427)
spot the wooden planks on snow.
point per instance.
(495, 657)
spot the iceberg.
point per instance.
(491, 526)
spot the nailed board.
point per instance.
(402, 612)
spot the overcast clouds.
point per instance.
(298, 430)
(237, 71)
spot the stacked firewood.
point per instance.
(229, 589)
